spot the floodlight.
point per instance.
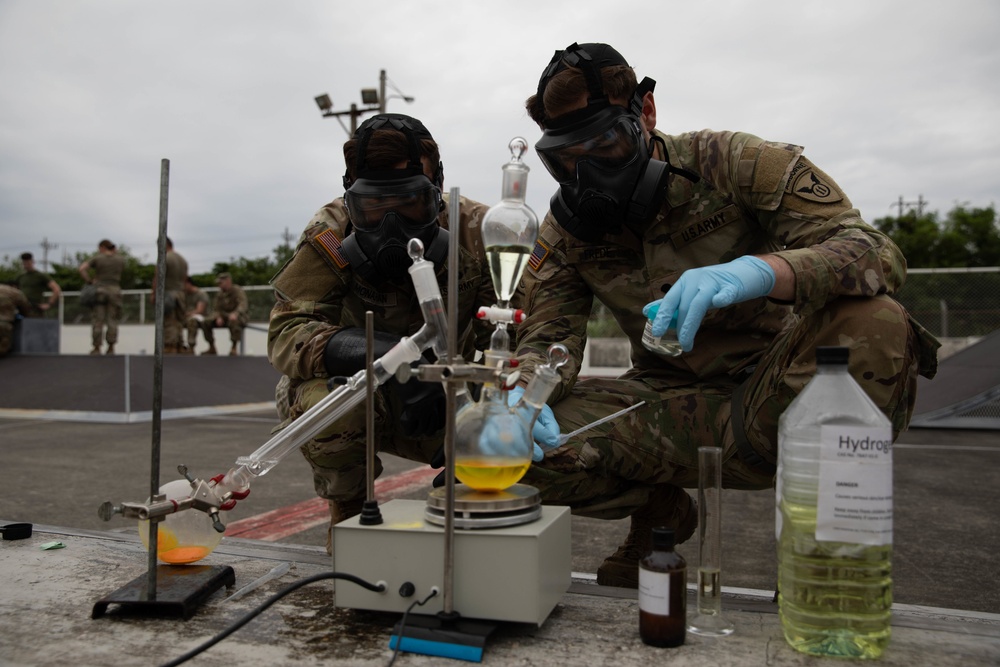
(324, 102)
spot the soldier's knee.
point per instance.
(875, 329)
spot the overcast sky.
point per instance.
(892, 98)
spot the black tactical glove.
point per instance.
(422, 403)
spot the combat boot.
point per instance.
(169, 349)
(96, 350)
(211, 350)
(668, 506)
(111, 349)
(340, 511)
(234, 352)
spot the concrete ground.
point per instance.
(946, 503)
(55, 474)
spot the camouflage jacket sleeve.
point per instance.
(471, 239)
(558, 305)
(242, 305)
(809, 220)
(309, 292)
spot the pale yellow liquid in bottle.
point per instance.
(487, 473)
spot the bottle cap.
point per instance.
(832, 356)
(663, 538)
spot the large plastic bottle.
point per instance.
(834, 516)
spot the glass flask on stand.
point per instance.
(181, 537)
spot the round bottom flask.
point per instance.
(182, 537)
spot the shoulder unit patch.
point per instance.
(808, 182)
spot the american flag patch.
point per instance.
(538, 255)
(331, 244)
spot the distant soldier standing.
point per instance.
(12, 303)
(173, 300)
(107, 266)
(231, 311)
(33, 284)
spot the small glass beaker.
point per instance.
(667, 344)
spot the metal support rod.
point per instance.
(369, 406)
(154, 459)
(449, 393)
(128, 387)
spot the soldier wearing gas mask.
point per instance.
(752, 253)
(352, 258)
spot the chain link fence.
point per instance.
(950, 303)
(954, 303)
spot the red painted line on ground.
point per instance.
(287, 521)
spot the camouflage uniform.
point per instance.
(753, 197)
(192, 323)
(12, 303)
(317, 295)
(233, 301)
(173, 302)
(107, 312)
(33, 285)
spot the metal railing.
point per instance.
(137, 307)
(958, 303)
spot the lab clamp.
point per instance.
(488, 448)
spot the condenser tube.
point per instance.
(333, 406)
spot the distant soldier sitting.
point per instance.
(13, 303)
(196, 310)
(230, 311)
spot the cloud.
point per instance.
(891, 99)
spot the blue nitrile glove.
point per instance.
(545, 431)
(706, 287)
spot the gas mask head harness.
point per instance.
(388, 207)
(598, 154)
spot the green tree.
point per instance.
(67, 274)
(258, 271)
(968, 237)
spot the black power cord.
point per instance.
(253, 613)
(402, 623)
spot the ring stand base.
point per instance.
(180, 590)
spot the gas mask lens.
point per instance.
(415, 201)
(610, 144)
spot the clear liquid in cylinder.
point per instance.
(506, 266)
(709, 590)
(490, 473)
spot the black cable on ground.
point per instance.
(253, 613)
(402, 624)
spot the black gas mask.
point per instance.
(598, 155)
(389, 207)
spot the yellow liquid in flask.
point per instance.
(490, 473)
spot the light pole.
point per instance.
(374, 100)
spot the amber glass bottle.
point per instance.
(662, 592)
